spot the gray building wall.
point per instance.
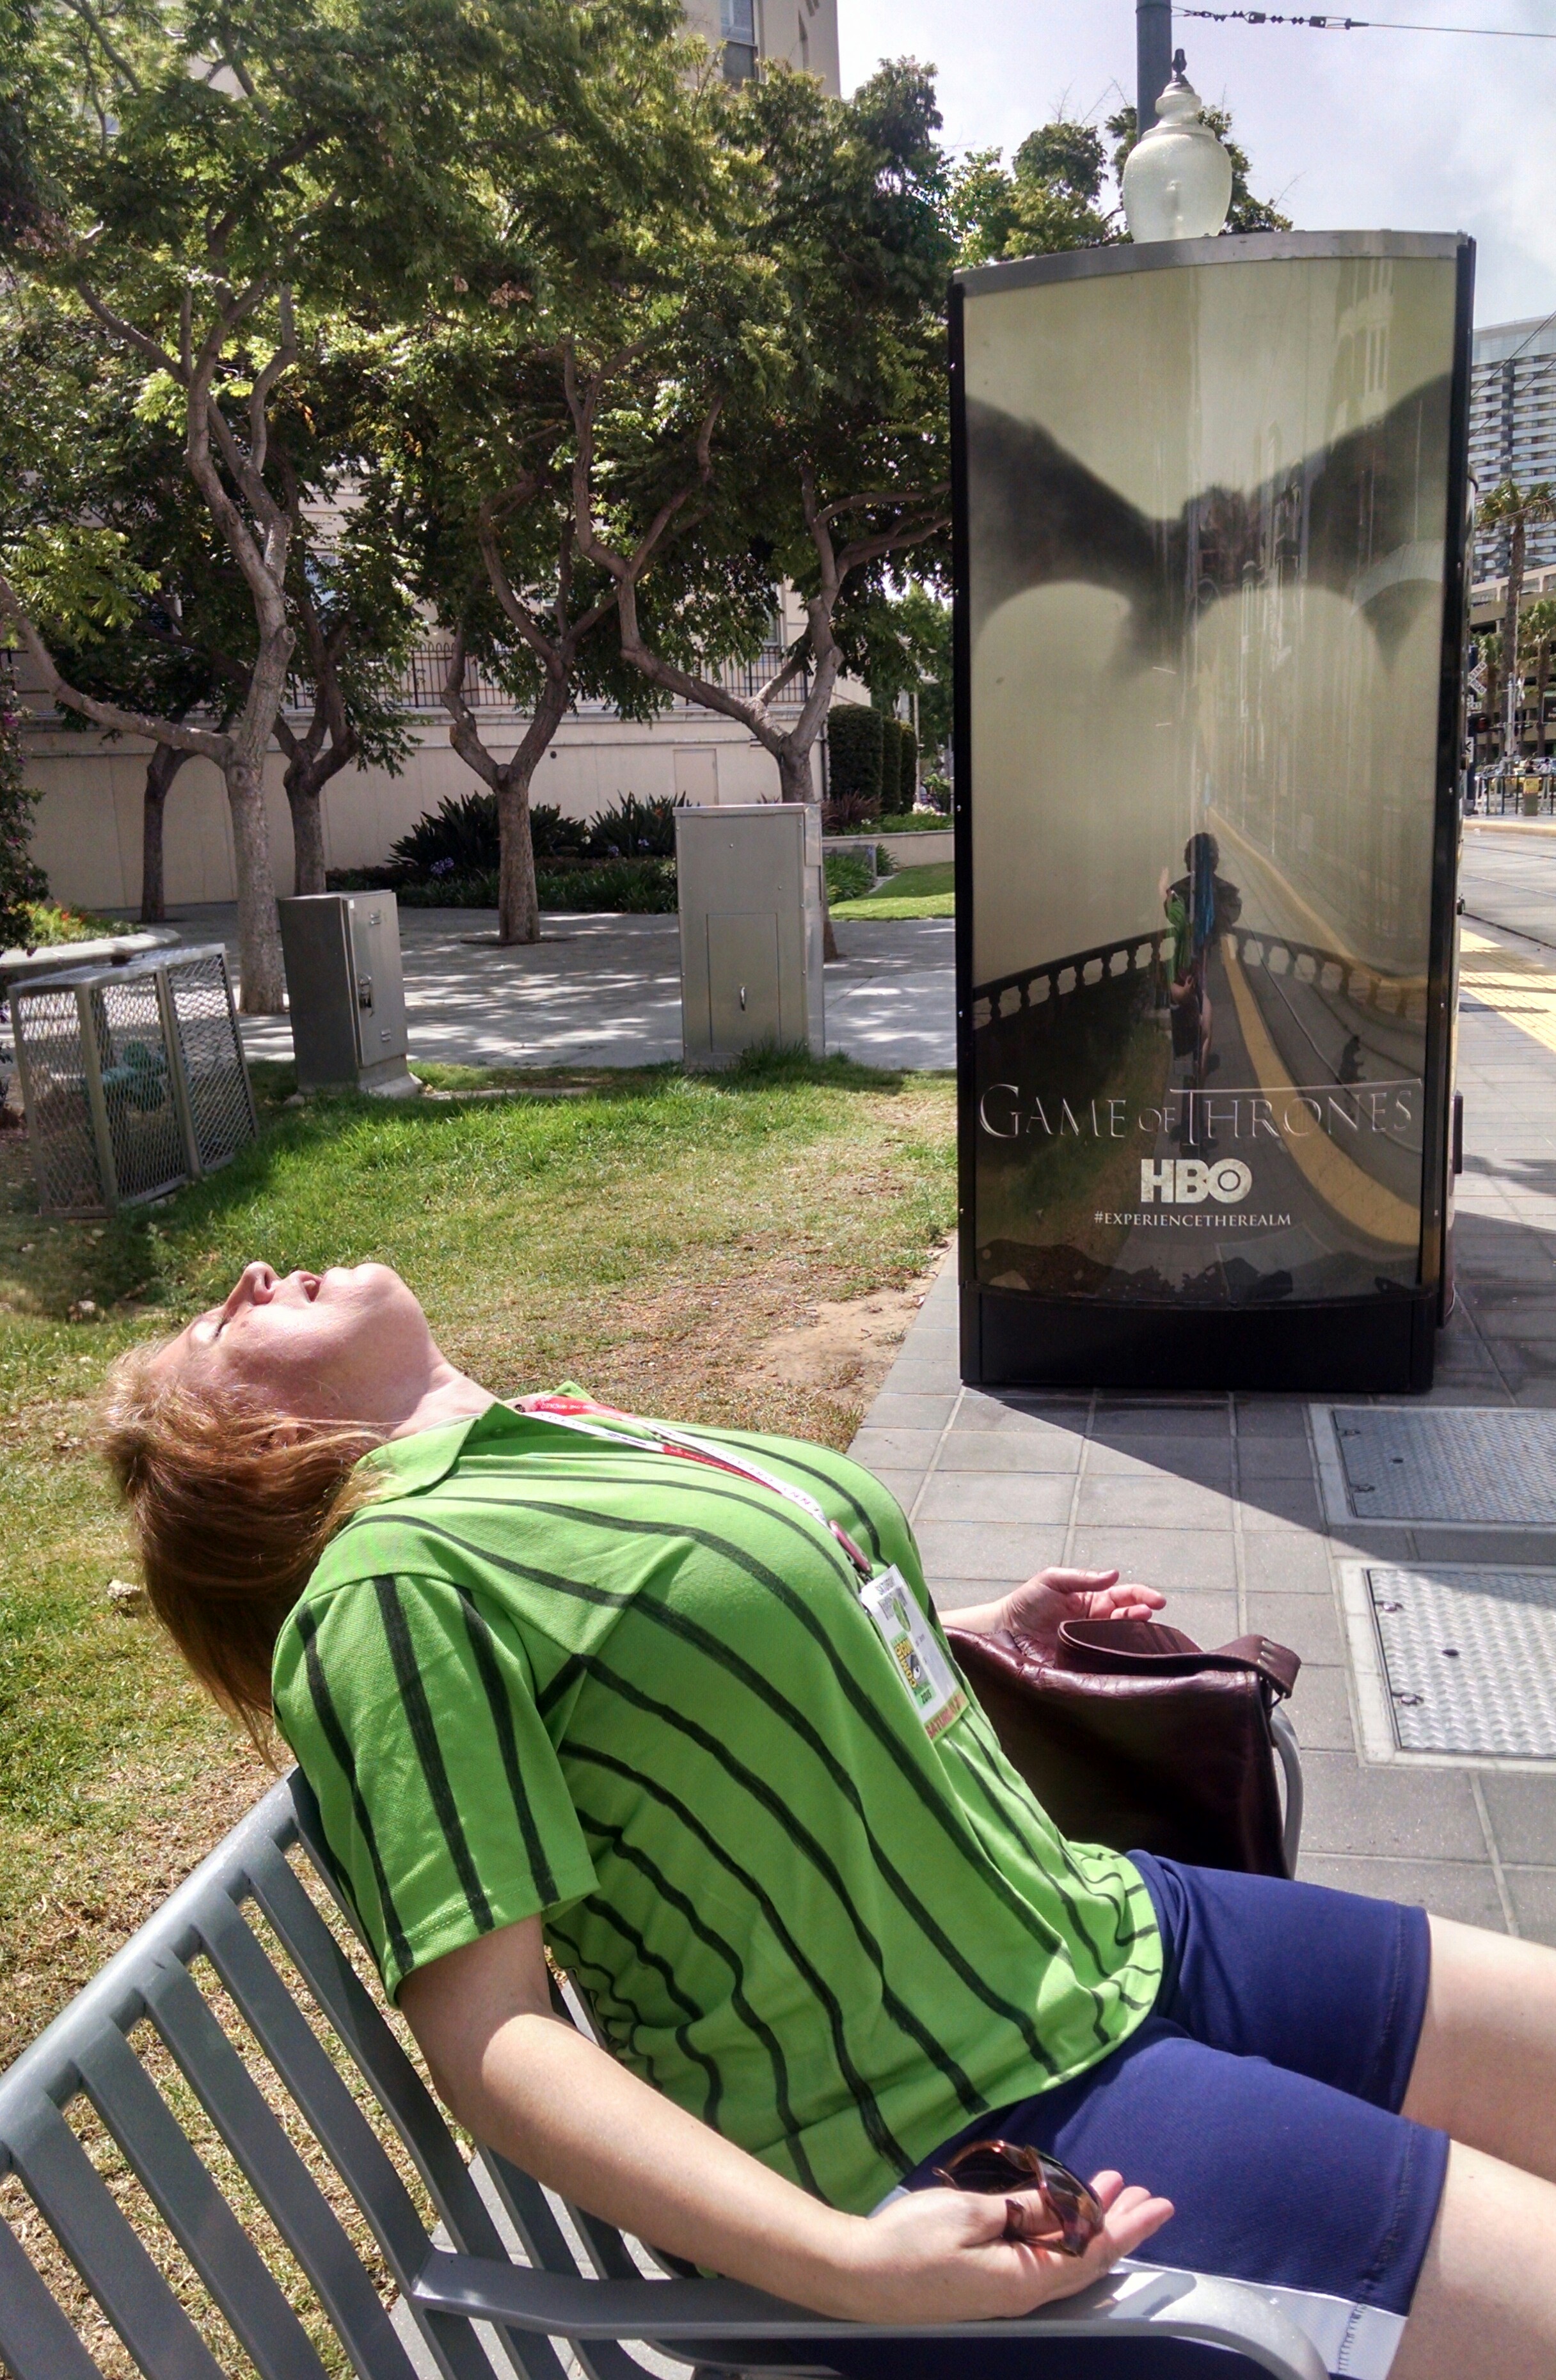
(1512, 428)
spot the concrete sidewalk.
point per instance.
(606, 990)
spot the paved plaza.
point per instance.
(606, 990)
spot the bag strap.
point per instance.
(1132, 1647)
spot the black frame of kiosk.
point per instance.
(1015, 1338)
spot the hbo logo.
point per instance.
(1188, 1181)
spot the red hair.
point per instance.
(233, 1504)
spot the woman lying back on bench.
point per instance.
(678, 1711)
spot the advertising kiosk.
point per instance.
(1212, 509)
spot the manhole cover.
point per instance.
(1469, 1660)
(1468, 1464)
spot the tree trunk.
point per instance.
(518, 907)
(161, 770)
(305, 799)
(797, 784)
(261, 972)
(1510, 639)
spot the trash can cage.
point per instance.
(133, 1078)
(1210, 529)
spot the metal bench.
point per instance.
(503, 2277)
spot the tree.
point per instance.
(604, 293)
(1051, 198)
(220, 180)
(824, 452)
(1513, 508)
(1536, 641)
(1061, 191)
(901, 644)
(355, 625)
(20, 880)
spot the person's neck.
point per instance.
(444, 1396)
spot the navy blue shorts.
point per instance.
(1261, 2095)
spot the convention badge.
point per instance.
(907, 1636)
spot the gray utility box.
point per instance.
(749, 881)
(346, 992)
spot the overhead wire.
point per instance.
(1360, 24)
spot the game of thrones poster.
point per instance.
(1205, 536)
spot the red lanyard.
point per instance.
(568, 1413)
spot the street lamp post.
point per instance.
(1153, 58)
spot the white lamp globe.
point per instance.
(1177, 182)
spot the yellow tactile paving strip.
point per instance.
(1518, 988)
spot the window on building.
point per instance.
(737, 22)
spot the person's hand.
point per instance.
(941, 2256)
(1039, 1609)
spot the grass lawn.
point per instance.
(911, 893)
(645, 1232)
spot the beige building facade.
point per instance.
(801, 32)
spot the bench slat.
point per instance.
(195, 2212)
(67, 2189)
(359, 2156)
(292, 2198)
(35, 2339)
(366, 2037)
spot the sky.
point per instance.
(1357, 131)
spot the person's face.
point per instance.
(349, 1344)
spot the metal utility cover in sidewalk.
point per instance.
(1439, 1465)
(1469, 1660)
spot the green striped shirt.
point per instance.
(549, 1674)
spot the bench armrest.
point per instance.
(1150, 2300)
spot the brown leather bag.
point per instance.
(1129, 1735)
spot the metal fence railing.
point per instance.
(1525, 792)
(420, 685)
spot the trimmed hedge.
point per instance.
(890, 762)
(907, 772)
(640, 886)
(854, 753)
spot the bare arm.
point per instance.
(1058, 1595)
(529, 2085)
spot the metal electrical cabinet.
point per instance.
(346, 992)
(749, 881)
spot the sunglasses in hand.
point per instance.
(1066, 2217)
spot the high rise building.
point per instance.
(1512, 428)
(802, 32)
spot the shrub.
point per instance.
(21, 881)
(937, 790)
(907, 768)
(463, 832)
(853, 747)
(848, 879)
(638, 885)
(852, 815)
(634, 830)
(890, 762)
(552, 836)
(642, 886)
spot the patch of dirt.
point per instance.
(847, 1343)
